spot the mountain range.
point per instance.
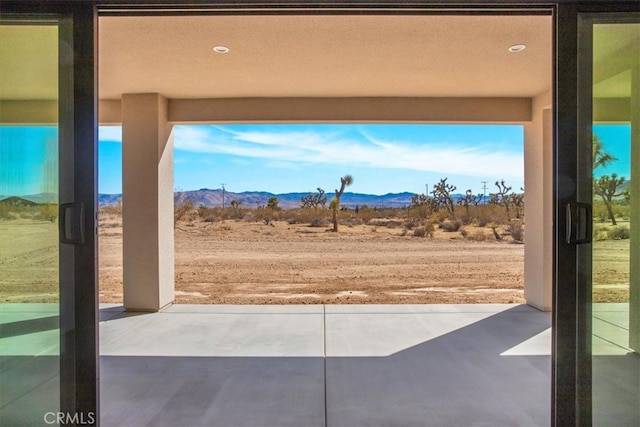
(213, 198)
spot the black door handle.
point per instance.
(579, 223)
(71, 223)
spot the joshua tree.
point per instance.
(469, 199)
(600, 157)
(607, 188)
(272, 203)
(442, 194)
(345, 181)
(607, 185)
(517, 200)
(314, 200)
(422, 206)
(502, 197)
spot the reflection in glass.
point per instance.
(29, 254)
(616, 247)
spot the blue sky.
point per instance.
(28, 160)
(616, 140)
(299, 158)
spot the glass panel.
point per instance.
(616, 246)
(29, 254)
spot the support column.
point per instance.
(147, 203)
(634, 251)
(538, 207)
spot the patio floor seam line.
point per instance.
(324, 360)
(626, 328)
(31, 390)
(117, 338)
(613, 343)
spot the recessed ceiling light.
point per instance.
(220, 49)
(517, 48)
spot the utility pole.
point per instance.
(222, 196)
(426, 189)
(484, 191)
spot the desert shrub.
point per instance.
(420, 232)
(5, 211)
(180, 208)
(412, 223)
(205, 212)
(27, 215)
(490, 213)
(600, 212)
(305, 215)
(384, 222)
(237, 213)
(318, 222)
(450, 226)
(350, 222)
(466, 220)
(265, 215)
(365, 213)
(424, 231)
(404, 231)
(111, 210)
(478, 236)
(600, 233)
(48, 212)
(620, 232)
(516, 230)
(210, 218)
(482, 222)
(464, 233)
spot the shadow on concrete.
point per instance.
(456, 379)
(616, 390)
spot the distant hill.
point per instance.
(109, 199)
(14, 200)
(213, 198)
(42, 198)
(32, 199)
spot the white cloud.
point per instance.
(331, 148)
(110, 133)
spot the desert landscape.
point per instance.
(235, 261)
(257, 261)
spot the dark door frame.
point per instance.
(79, 388)
(571, 373)
(571, 324)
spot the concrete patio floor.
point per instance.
(335, 365)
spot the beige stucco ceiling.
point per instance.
(615, 48)
(28, 62)
(325, 56)
(306, 56)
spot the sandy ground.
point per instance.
(252, 263)
(611, 271)
(29, 259)
(240, 262)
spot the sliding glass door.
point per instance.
(29, 206)
(46, 210)
(597, 305)
(615, 282)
